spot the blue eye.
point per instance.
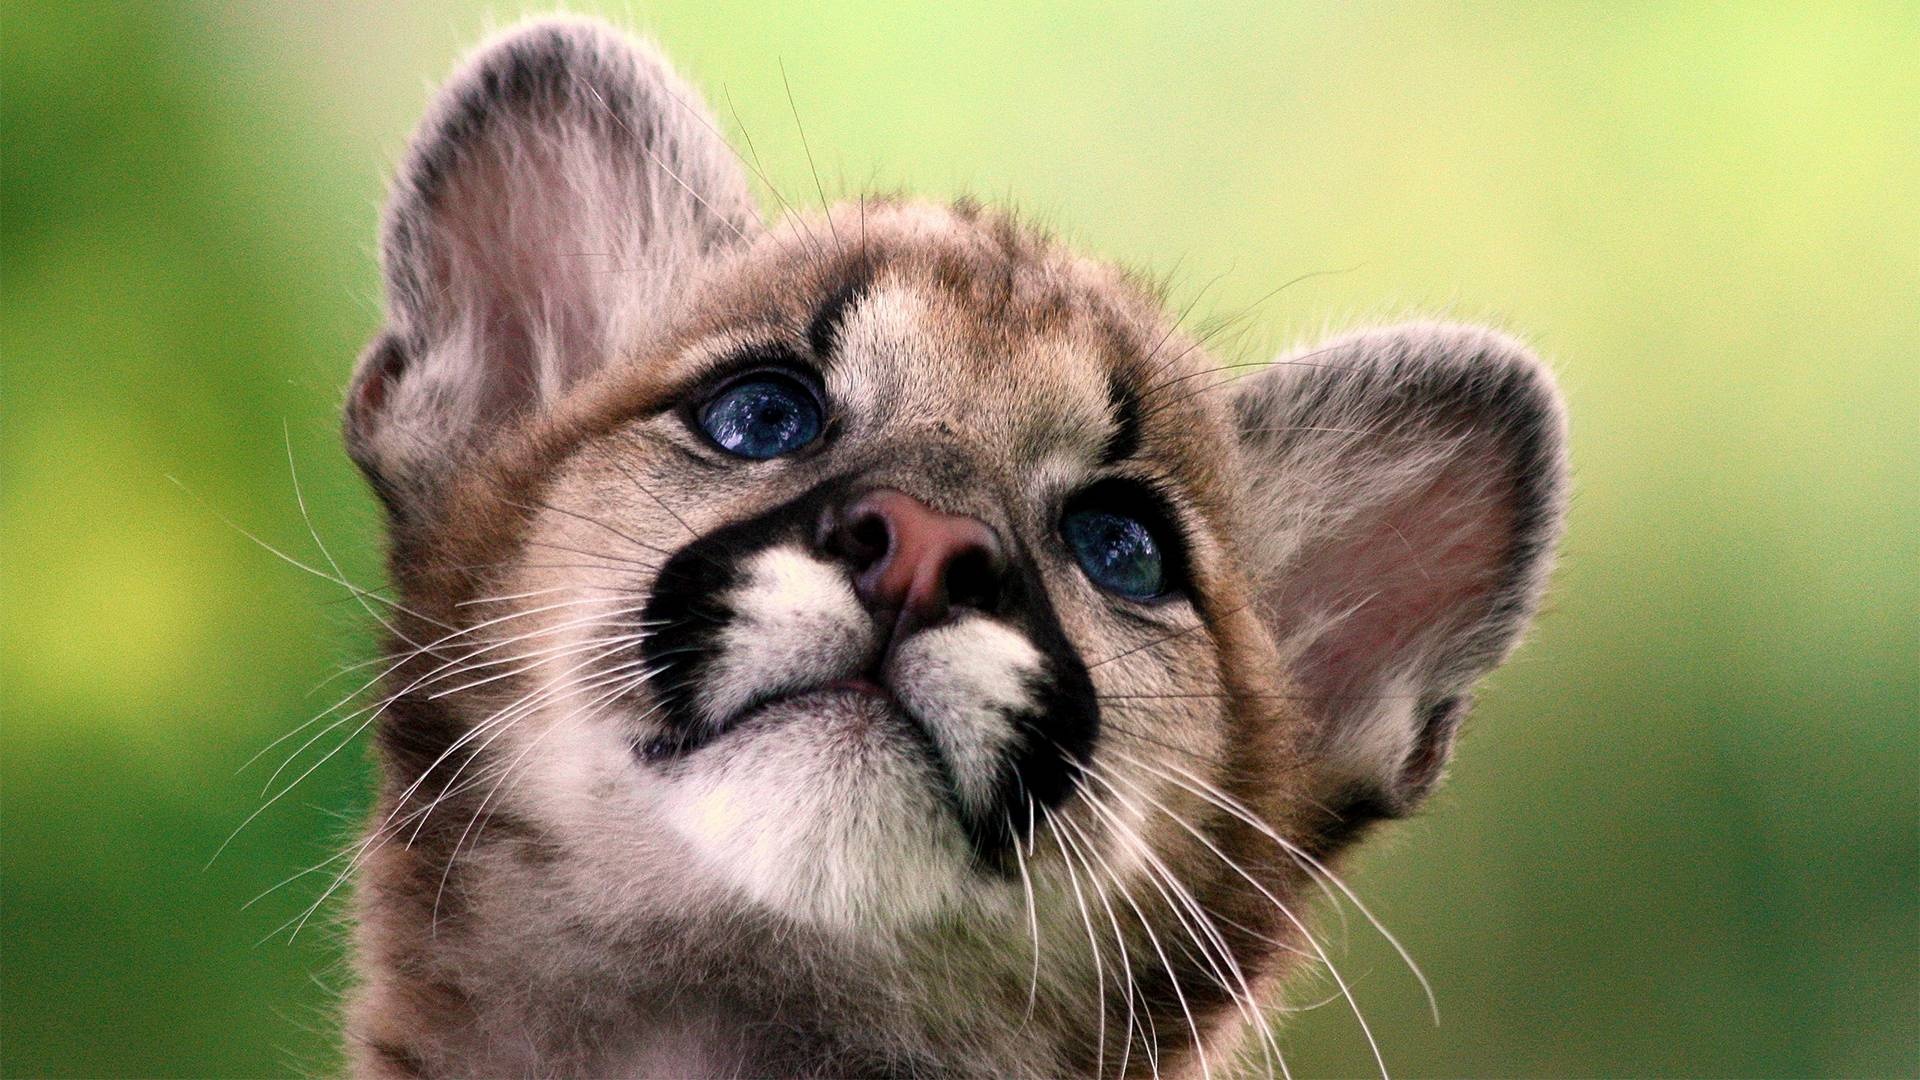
(762, 416)
(1118, 552)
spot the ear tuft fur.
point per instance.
(563, 191)
(1405, 492)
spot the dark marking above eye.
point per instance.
(823, 332)
(1125, 438)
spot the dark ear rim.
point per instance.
(1446, 378)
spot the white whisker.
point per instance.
(1249, 1003)
(1235, 807)
(1093, 943)
(1325, 960)
(1087, 847)
(1033, 914)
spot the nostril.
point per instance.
(868, 539)
(973, 579)
(862, 536)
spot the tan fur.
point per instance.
(530, 900)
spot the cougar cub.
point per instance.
(880, 643)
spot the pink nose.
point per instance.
(913, 564)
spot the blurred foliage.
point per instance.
(1683, 836)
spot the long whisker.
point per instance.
(300, 500)
(382, 830)
(594, 521)
(1090, 854)
(373, 712)
(1173, 978)
(1301, 360)
(1247, 312)
(655, 158)
(643, 545)
(1320, 951)
(1033, 913)
(808, 149)
(291, 561)
(648, 566)
(754, 165)
(1180, 633)
(1174, 326)
(1250, 1005)
(621, 687)
(614, 460)
(452, 666)
(1235, 807)
(532, 698)
(1180, 902)
(1110, 722)
(1093, 943)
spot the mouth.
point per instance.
(868, 686)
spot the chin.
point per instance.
(826, 807)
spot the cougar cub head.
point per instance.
(883, 641)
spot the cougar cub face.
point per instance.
(881, 642)
(909, 497)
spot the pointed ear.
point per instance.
(563, 191)
(1406, 490)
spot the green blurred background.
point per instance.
(1683, 836)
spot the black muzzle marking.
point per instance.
(689, 614)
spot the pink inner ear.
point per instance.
(525, 265)
(1402, 578)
